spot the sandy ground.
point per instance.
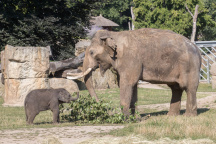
(89, 134)
(143, 84)
(65, 135)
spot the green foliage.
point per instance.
(171, 14)
(57, 23)
(209, 32)
(87, 110)
(117, 11)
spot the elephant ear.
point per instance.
(110, 46)
(62, 96)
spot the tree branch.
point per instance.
(200, 12)
(189, 10)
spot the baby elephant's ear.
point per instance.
(62, 96)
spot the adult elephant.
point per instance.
(153, 55)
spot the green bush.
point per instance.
(87, 110)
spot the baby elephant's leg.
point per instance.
(55, 115)
(31, 117)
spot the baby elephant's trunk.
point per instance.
(73, 99)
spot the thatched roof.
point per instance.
(101, 21)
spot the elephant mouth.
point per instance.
(74, 76)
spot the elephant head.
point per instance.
(102, 52)
(64, 96)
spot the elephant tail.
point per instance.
(73, 99)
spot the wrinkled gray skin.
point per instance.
(45, 99)
(153, 55)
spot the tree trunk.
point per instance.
(133, 18)
(194, 21)
(129, 25)
(194, 24)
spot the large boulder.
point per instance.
(213, 69)
(109, 80)
(213, 82)
(81, 46)
(67, 84)
(213, 72)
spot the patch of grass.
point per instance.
(178, 127)
(205, 87)
(145, 96)
(14, 117)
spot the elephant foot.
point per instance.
(189, 114)
(29, 123)
(172, 113)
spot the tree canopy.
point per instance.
(57, 23)
(115, 10)
(209, 32)
(61, 23)
(171, 14)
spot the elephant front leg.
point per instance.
(175, 104)
(126, 94)
(55, 116)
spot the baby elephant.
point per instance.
(45, 99)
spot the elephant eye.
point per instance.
(91, 53)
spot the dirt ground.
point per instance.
(89, 134)
(56, 135)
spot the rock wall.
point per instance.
(109, 80)
(81, 46)
(69, 85)
(24, 69)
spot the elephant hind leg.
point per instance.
(133, 100)
(191, 104)
(31, 117)
(175, 104)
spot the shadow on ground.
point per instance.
(199, 111)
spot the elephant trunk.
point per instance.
(73, 99)
(88, 77)
(88, 83)
(88, 65)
